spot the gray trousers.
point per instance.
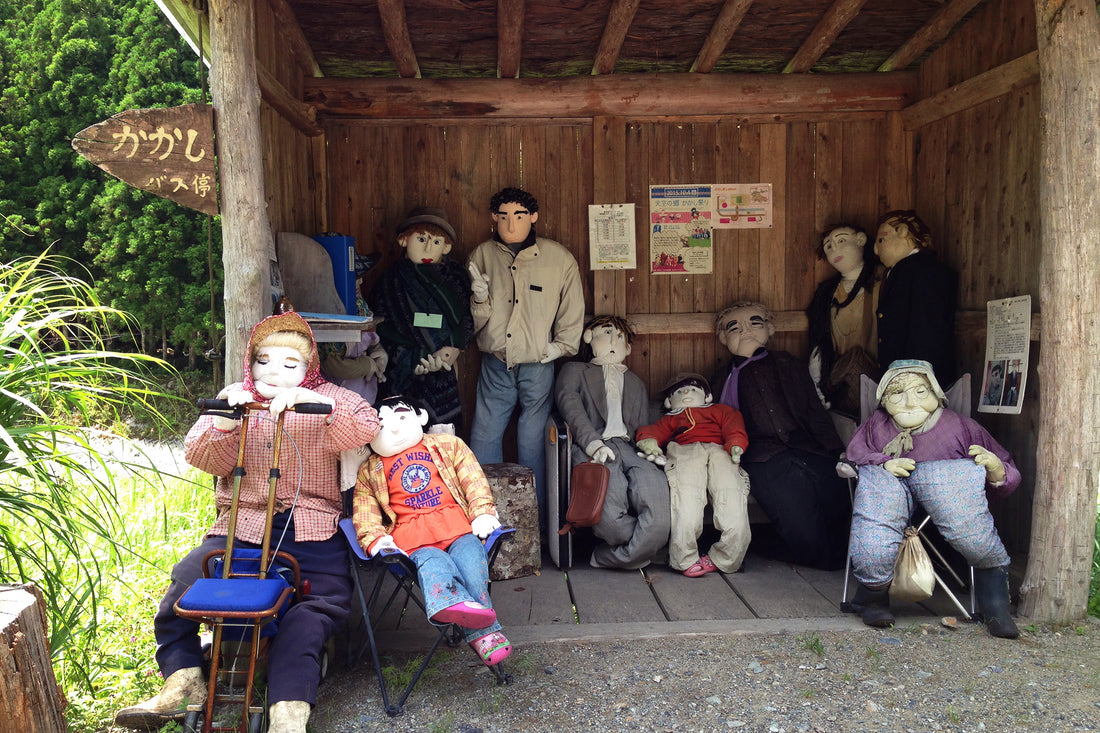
(698, 472)
(953, 494)
(635, 519)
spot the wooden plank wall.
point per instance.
(977, 187)
(821, 173)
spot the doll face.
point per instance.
(910, 400)
(609, 345)
(401, 428)
(424, 248)
(892, 244)
(277, 368)
(514, 222)
(744, 330)
(687, 396)
(843, 249)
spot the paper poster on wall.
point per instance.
(742, 206)
(1008, 337)
(611, 241)
(680, 230)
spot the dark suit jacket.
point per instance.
(581, 400)
(916, 314)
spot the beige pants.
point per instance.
(698, 472)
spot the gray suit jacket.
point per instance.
(581, 400)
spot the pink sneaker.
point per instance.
(469, 614)
(701, 567)
(493, 648)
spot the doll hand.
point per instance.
(447, 357)
(236, 394)
(599, 452)
(994, 468)
(384, 545)
(294, 396)
(650, 449)
(553, 351)
(428, 364)
(900, 467)
(735, 453)
(483, 525)
(479, 284)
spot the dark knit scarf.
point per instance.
(405, 289)
(519, 246)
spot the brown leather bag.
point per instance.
(587, 491)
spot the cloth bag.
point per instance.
(914, 578)
(587, 491)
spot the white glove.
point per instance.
(900, 467)
(430, 363)
(384, 545)
(599, 452)
(295, 396)
(479, 284)
(735, 454)
(483, 525)
(994, 468)
(235, 395)
(553, 351)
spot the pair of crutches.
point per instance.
(244, 591)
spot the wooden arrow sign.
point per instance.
(167, 151)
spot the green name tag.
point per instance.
(428, 320)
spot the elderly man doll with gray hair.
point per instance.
(915, 450)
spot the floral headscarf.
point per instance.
(292, 322)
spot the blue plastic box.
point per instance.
(341, 250)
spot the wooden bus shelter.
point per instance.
(983, 115)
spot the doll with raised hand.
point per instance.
(426, 496)
(702, 443)
(913, 450)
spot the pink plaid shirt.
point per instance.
(308, 463)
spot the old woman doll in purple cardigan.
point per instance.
(915, 450)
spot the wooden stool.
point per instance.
(513, 488)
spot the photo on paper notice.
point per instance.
(1008, 337)
(680, 230)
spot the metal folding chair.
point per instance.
(402, 571)
(959, 400)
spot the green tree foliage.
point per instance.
(67, 64)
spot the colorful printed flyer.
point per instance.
(680, 230)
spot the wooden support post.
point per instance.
(1056, 585)
(30, 699)
(246, 230)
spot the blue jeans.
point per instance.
(499, 389)
(461, 573)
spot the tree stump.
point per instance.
(31, 701)
(513, 488)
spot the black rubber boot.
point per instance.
(991, 588)
(874, 605)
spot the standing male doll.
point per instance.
(528, 309)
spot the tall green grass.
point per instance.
(115, 667)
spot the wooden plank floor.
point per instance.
(658, 597)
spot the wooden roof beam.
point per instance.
(729, 18)
(934, 31)
(287, 23)
(396, 32)
(828, 28)
(509, 37)
(619, 19)
(631, 95)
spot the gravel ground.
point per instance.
(923, 677)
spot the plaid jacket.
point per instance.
(308, 465)
(458, 469)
